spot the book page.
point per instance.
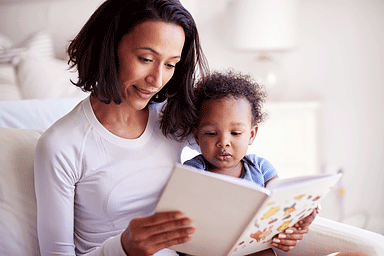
(285, 207)
(281, 183)
(220, 206)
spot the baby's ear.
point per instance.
(195, 135)
(253, 134)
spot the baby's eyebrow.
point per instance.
(235, 124)
(206, 124)
(238, 124)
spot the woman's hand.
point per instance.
(147, 235)
(288, 239)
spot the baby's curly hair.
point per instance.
(219, 85)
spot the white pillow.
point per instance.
(6, 51)
(18, 234)
(8, 87)
(39, 43)
(5, 42)
(46, 78)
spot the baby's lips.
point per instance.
(225, 154)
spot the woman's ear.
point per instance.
(253, 134)
(195, 135)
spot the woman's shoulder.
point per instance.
(67, 129)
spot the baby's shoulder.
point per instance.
(197, 162)
(257, 160)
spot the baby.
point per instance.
(229, 110)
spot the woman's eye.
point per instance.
(170, 66)
(210, 133)
(144, 59)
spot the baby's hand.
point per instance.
(288, 239)
(307, 221)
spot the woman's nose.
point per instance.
(155, 77)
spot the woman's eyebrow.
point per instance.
(156, 52)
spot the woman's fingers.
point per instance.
(174, 237)
(161, 227)
(160, 217)
(147, 235)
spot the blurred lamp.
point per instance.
(264, 26)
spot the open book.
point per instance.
(237, 217)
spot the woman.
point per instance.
(101, 168)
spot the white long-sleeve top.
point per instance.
(90, 183)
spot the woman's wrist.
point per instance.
(124, 239)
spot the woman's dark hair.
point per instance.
(227, 84)
(94, 53)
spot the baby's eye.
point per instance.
(210, 133)
(236, 133)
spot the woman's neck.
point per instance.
(121, 120)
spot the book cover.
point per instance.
(237, 217)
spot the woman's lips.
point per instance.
(143, 93)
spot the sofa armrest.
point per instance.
(326, 236)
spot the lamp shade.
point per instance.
(264, 25)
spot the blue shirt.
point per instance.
(255, 169)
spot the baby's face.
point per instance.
(224, 133)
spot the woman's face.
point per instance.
(147, 57)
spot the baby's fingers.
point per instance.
(283, 243)
(288, 240)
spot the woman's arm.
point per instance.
(54, 188)
(56, 176)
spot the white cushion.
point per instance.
(5, 42)
(39, 43)
(18, 235)
(38, 74)
(46, 78)
(7, 74)
(6, 52)
(8, 87)
(34, 113)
